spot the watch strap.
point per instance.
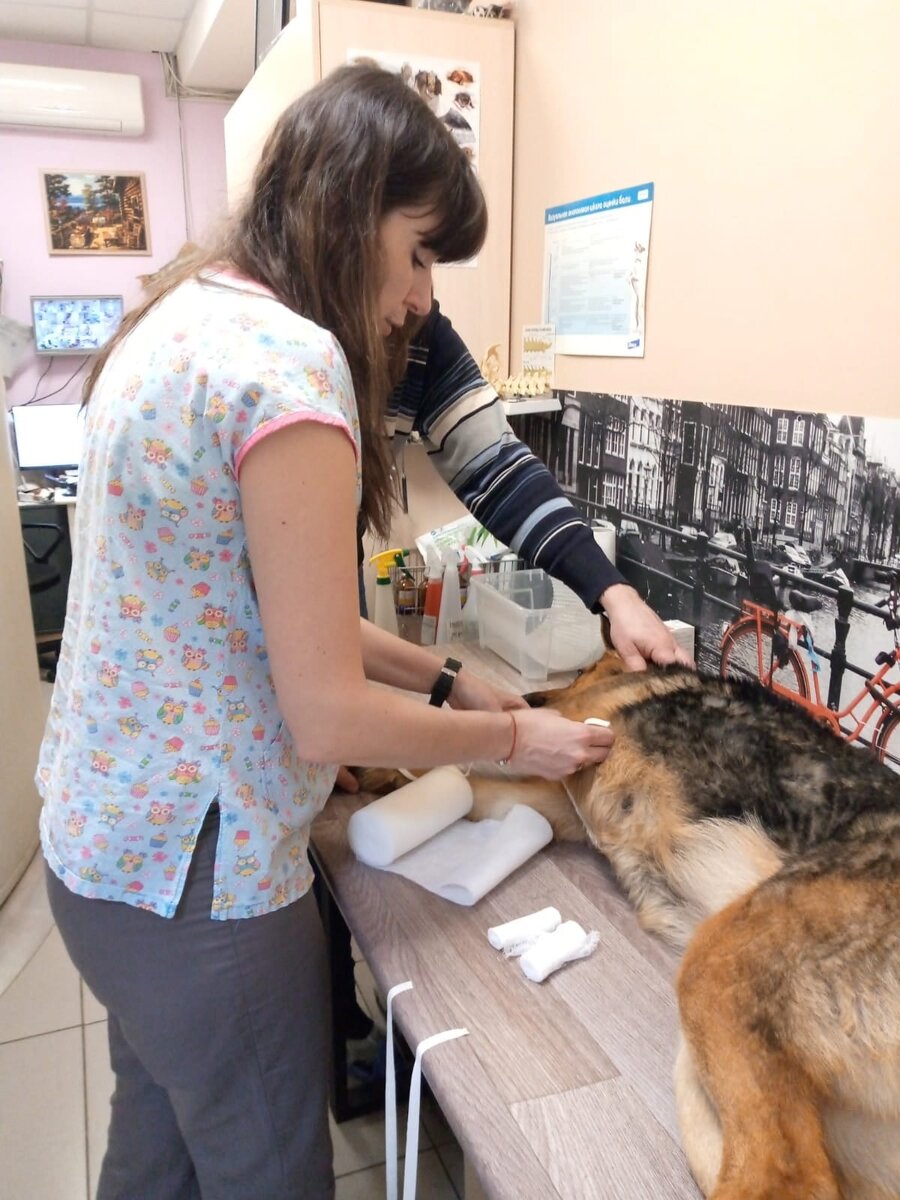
(444, 682)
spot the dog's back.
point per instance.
(724, 807)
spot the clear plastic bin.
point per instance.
(535, 623)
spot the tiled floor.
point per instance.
(55, 1080)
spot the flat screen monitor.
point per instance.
(48, 436)
(74, 324)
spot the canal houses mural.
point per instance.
(814, 495)
(809, 478)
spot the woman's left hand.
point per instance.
(471, 692)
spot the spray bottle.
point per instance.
(470, 608)
(432, 606)
(450, 615)
(385, 612)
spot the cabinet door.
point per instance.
(475, 298)
(323, 35)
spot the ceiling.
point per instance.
(213, 39)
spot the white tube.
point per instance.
(388, 827)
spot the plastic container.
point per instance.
(449, 625)
(432, 604)
(535, 623)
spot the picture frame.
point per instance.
(95, 212)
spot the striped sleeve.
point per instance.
(459, 416)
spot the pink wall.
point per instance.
(28, 268)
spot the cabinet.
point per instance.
(323, 35)
(22, 709)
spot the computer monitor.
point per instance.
(48, 436)
(74, 324)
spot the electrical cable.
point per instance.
(62, 387)
(34, 395)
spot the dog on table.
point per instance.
(746, 832)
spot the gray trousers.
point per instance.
(219, 1039)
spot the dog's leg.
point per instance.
(380, 780)
(495, 796)
(658, 908)
(701, 1133)
(735, 996)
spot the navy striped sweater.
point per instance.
(445, 399)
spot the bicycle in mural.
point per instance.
(767, 644)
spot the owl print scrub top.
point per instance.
(164, 700)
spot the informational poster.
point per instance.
(539, 350)
(450, 88)
(595, 272)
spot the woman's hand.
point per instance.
(637, 632)
(548, 744)
(471, 692)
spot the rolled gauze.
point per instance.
(567, 942)
(391, 825)
(517, 936)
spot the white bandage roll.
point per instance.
(388, 827)
(566, 943)
(515, 937)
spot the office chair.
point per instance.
(43, 575)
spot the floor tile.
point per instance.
(98, 1080)
(360, 1143)
(432, 1181)
(44, 997)
(25, 922)
(92, 1009)
(42, 1143)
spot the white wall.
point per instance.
(770, 131)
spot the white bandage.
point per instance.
(515, 937)
(566, 943)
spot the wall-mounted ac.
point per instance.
(57, 98)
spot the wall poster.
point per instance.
(450, 88)
(595, 272)
(692, 486)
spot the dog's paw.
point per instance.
(379, 780)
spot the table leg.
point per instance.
(346, 1101)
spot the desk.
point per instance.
(562, 1089)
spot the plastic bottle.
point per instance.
(432, 606)
(385, 615)
(470, 608)
(406, 590)
(450, 615)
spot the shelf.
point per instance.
(530, 404)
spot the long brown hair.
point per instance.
(354, 148)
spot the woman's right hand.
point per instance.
(550, 745)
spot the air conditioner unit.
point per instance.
(57, 98)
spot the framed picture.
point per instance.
(90, 212)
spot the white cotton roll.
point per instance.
(388, 827)
(515, 937)
(566, 943)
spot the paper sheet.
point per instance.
(469, 858)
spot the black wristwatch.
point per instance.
(444, 682)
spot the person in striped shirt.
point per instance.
(444, 398)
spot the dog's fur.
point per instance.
(747, 832)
